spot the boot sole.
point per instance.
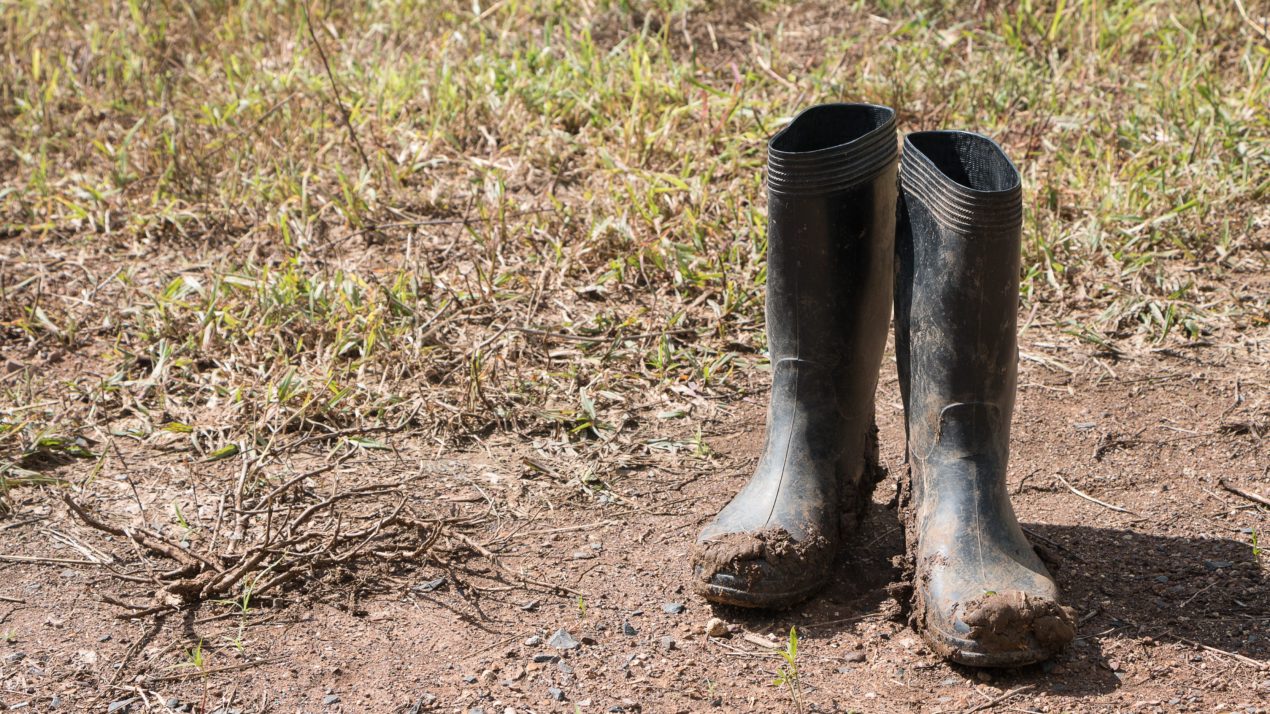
(750, 599)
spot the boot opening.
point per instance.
(830, 125)
(971, 160)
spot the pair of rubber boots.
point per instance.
(841, 245)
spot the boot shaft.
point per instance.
(830, 240)
(956, 291)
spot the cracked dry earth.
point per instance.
(1170, 595)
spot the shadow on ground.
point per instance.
(1154, 590)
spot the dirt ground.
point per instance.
(358, 357)
(1170, 591)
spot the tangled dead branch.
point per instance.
(289, 544)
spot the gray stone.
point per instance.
(562, 640)
(429, 585)
(629, 630)
(556, 693)
(673, 608)
(330, 699)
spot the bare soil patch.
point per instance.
(1170, 594)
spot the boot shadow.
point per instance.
(1125, 585)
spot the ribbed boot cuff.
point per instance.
(965, 180)
(830, 147)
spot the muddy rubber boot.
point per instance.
(981, 596)
(831, 190)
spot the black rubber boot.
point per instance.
(981, 595)
(830, 250)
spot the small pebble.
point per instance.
(668, 643)
(533, 641)
(855, 657)
(330, 699)
(629, 630)
(716, 628)
(673, 608)
(556, 693)
(542, 657)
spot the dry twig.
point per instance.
(1091, 499)
(1250, 495)
(335, 87)
(997, 700)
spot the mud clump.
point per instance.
(752, 558)
(1015, 620)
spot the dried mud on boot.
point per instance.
(1015, 620)
(855, 501)
(904, 589)
(744, 555)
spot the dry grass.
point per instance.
(236, 230)
(265, 270)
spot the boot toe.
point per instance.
(765, 569)
(1000, 629)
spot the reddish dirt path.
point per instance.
(1173, 603)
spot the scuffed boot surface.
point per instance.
(830, 252)
(787, 559)
(981, 596)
